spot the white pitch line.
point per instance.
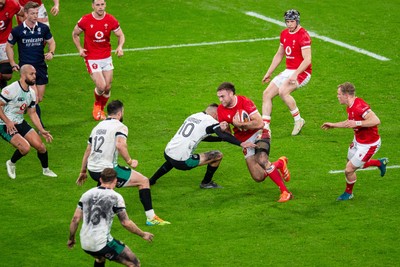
(184, 45)
(367, 169)
(323, 38)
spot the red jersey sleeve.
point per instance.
(357, 112)
(304, 38)
(114, 23)
(249, 106)
(81, 23)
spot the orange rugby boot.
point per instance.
(284, 170)
(285, 197)
(98, 113)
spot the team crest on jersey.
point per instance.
(288, 50)
(22, 108)
(95, 66)
(99, 35)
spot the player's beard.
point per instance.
(121, 119)
(30, 82)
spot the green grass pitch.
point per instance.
(241, 224)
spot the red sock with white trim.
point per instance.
(275, 176)
(103, 100)
(97, 96)
(296, 114)
(267, 121)
(349, 186)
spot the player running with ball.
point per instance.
(257, 159)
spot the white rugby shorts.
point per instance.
(358, 154)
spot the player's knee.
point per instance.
(214, 155)
(263, 148)
(41, 148)
(348, 172)
(24, 149)
(259, 178)
(144, 183)
(283, 93)
(135, 262)
(129, 258)
(267, 95)
(100, 260)
(101, 87)
(6, 71)
(263, 162)
(6, 77)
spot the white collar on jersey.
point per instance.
(32, 30)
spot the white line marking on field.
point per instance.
(185, 45)
(367, 169)
(323, 38)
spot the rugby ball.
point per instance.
(243, 115)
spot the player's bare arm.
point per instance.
(36, 121)
(73, 227)
(129, 225)
(10, 125)
(21, 13)
(370, 120)
(10, 56)
(77, 41)
(56, 8)
(83, 175)
(122, 148)
(52, 48)
(274, 64)
(330, 125)
(121, 40)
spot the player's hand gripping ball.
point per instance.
(242, 116)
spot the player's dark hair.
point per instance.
(30, 5)
(347, 88)
(108, 175)
(213, 105)
(226, 86)
(114, 107)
